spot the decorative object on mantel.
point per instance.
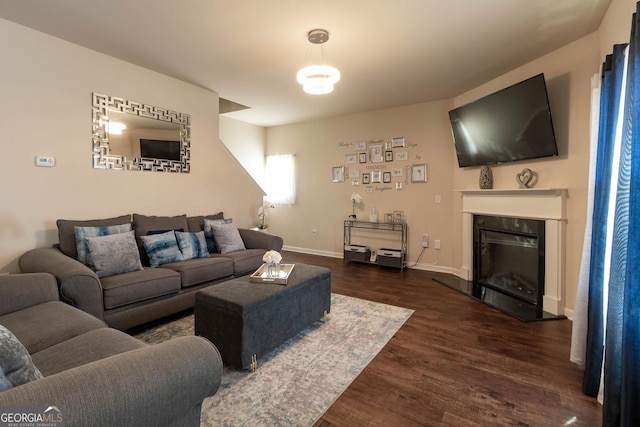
(356, 199)
(262, 214)
(486, 178)
(527, 178)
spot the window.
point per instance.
(280, 182)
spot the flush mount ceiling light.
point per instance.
(318, 79)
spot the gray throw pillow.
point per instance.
(192, 245)
(16, 365)
(82, 233)
(228, 238)
(162, 248)
(212, 246)
(114, 254)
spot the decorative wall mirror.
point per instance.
(133, 136)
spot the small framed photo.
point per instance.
(338, 173)
(419, 173)
(375, 176)
(388, 156)
(351, 158)
(396, 172)
(397, 142)
(361, 146)
(386, 177)
(375, 154)
(403, 155)
(362, 157)
(366, 178)
(388, 217)
(353, 173)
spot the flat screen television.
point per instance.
(509, 125)
(160, 149)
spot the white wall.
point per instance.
(247, 143)
(45, 109)
(323, 205)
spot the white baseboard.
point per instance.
(312, 251)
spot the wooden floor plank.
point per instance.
(456, 361)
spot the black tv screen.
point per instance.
(509, 125)
(160, 149)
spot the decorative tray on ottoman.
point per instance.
(283, 271)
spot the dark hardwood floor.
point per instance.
(456, 361)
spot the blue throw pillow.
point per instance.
(162, 248)
(212, 246)
(83, 232)
(192, 245)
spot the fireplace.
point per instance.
(508, 256)
(530, 224)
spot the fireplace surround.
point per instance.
(545, 207)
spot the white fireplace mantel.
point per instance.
(548, 204)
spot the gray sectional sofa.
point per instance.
(132, 298)
(92, 375)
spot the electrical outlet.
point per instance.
(436, 244)
(425, 240)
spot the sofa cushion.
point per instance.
(16, 366)
(245, 262)
(114, 254)
(212, 246)
(196, 223)
(201, 270)
(47, 324)
(161, 248)
(192, 245)
(227, 238)
(67, 234)
(136, 286)
(86, 348)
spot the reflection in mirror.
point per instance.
(133, 136)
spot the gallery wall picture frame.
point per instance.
(419, 173)
(375, 176)
(388, 156)
(366, 178)
(361, 145)
(402, 155)
(386, 177)
(376, 154)
(337, 173)
(351, 158)
(362, 157)
(397, 142)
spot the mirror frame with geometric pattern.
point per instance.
(102, 156)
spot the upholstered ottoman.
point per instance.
(247, 320)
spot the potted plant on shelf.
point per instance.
(356, 199)
(262, 215)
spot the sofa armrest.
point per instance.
(78, 284)
(20, 291)
(254, 239)
(158, 385)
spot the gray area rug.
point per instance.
(300, 380)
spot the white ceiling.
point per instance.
(390, 52)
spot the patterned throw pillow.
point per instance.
(162, 248)
(83, 232)
(16, 366)
(212, 247)
(228, 238)
(114, 254)
(192, 245)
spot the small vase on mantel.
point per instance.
(486, 179)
